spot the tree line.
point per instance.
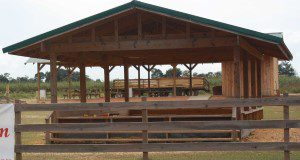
(62, 75)
(284, 68)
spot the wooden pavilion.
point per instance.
(140, 34)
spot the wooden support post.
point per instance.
(149, 87)
(191, 80)
(69, 82)
(236, 112)
(286, 116)
(236, 76)
(138, 68)
(145, 132)
(253, 80)
(245, 79)
(106, 83)
(53, 77)
(18, 135)
(38, 82)
(82, 84)
(259, 92)
(139, 80)
(174, 79)
(47, 133)
(126, 82)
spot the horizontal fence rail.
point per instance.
(161, 147)
(158, 126)
(117, 106)
(146, 127)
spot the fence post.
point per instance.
(234, 133)
(18, 138)
(47, 134)
(286, 116)
(145, 132)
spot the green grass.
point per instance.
(38, 138)
(167, 156)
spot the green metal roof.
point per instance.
(151, 8)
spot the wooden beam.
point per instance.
(159, 147)
(174, 79)
(286, 137)
(111, 68)
(70, 71)
(245, 75)
(250, 49)
(253, 79)
(117, 106)
(126, 82)
(82, 84)
(93, 35)
(138, 68)
(158, 126)
(164, 26)
(188, 30)
(236, 79)
(140, 26)
(53, 77)
(116, 30)
(259, 78)
(106, 83)
(144, 45)
(18, 135)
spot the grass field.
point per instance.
(37, 138)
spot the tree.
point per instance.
(4, 77)
(169, 72)
(286, 68)
(42, 75)
(156, 73)
(186, 73)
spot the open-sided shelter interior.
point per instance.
(137, 33)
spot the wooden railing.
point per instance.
(146, 126)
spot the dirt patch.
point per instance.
(272, 135)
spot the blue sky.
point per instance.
(22, 19)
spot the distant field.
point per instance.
(269, 112)
(28, 90)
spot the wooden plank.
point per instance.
(158, 126)
(124, 140)
(140, 26)
(126, 83)
(164, 26)
(106, 83)
(174, 79)
(145, 132)
(159, 147)
(116, 29)
(286, 116)
(250, 49)
(18, 135)
(82, 84)
(173, 131)
(38, 82)
(53, 77)
(259, 79)
(143, 45)
(116, 106)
